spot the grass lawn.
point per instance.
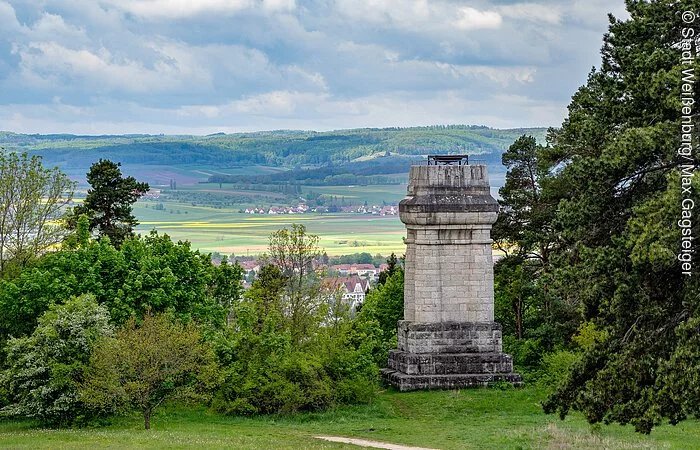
(479, 418)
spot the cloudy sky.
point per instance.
(203, 66)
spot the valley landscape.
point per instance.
(201, 185)
(409, 225)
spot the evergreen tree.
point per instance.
(109, 202)
(524, 220)
(618, 184)
(393, 267)
(525, 234)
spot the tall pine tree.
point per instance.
(617, 181)
(109, 202)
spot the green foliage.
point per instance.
(617, 181)
(357, 258)
(524, 220)
(556, 367)
(527, 354)
(291, 345)
(143, 365)
(393, 266)
(385, 304)
(149, 272)
(295, 252)
(32, 201)
(44, 370)
(588, 335)
(265, 299)
(81, 237)
(374, 328)
(590, 223)
(108, 202)
(264, 373)
(518, 302)
(258, 167)
(278, 148)
(524, 304)
(534, 324)
(225, 287)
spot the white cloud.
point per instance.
(533, 12)
(500, 75)
(8, 19)
(309, 110)
(590, 12)
(367, 51)
(285, 109)
(275, 104)
(175, 9)
(126, 66)
(315, 79)
(52, 27)
(473, 19)
(419, 15)
(101, 70)
(271, 104)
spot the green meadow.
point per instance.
(227, 231)
(467, 419)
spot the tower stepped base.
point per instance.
(449, 363)
(404, 382)
(448, 355)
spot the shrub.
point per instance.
(265, 374)
(45, 369)
(143, 365)
(556, 367)
(527, 353)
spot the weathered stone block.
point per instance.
(448, 338)
(405, 382)
(450, 363)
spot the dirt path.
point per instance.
(367, 443)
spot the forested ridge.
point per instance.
(279, 148)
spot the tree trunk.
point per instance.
(518, 307)
(147, 418)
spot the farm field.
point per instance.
(467, 419)
(373, 194)
(228, 231)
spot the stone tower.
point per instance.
(448, 338)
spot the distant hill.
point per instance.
(310, 154)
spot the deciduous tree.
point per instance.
(150, 272)
(294, 252)
(385, 304)
(45, 370)
(145, 364)
(32, 204)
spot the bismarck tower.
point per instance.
(448, 338)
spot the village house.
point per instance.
(353, 289)
(362, 270)
(250, 266)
